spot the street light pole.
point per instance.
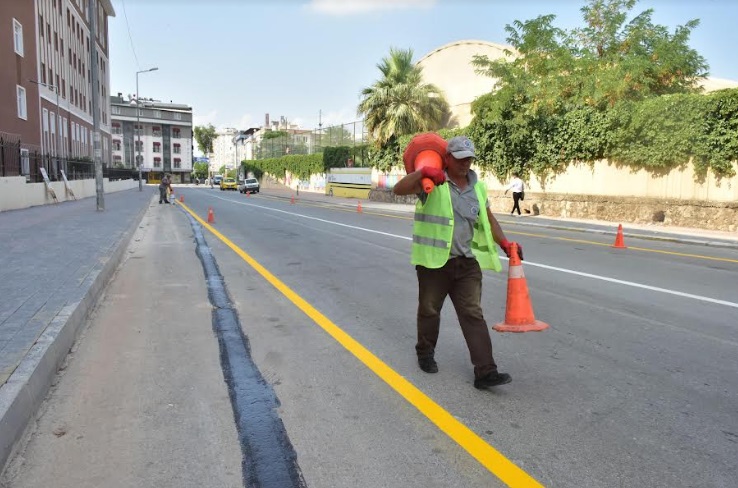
(138, 129)
(58, 115)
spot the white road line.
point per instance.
(527, 263)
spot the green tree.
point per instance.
(610, 59)
(554, 100)
(200, 170)
(400, 103)
(204, 136)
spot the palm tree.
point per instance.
(400, 103)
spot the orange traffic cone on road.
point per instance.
(292, 200)
(519, 311)
(181, 198)
(358, 208)
(619, 241)
(211, 216)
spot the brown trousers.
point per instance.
(461, 279)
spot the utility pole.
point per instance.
(94, 81)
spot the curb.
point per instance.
(592, 230)
(25, 390)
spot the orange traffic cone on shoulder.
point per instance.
(619, 241)
(292, 200)
(519, 311)
(211, 216)
(358, 208)
(181, 198)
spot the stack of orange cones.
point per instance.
(619, 241)
(211, 216)
(519, 311)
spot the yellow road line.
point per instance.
(487, 455)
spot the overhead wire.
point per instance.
(130, 37)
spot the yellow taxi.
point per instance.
(228, 184)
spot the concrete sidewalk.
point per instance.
(55, 260)
(683, 235)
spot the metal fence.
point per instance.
(17, 159)
(352, 135)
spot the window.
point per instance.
(177, 163)
(115, 110)
(156, 131)
(175, 133)
(18, 37)
(157, 114)
(177, 116)
(116, 129)
(22, 108)
(157, 162)
(139, 146)
(157, 147)
(118, 158)
(116, 144)
(177, 149)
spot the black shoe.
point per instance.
(492, 379)
(428, 364)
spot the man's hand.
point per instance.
(507, 247)
(434, 174)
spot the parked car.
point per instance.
(228, 184)
(249, 185)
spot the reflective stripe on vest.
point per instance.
(433, 231)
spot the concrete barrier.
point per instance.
(15, 193)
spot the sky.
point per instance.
(233, 61)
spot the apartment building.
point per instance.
(224, 150)
(158, 137)
(45, 83)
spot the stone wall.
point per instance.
(721, 216)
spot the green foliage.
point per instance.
(301, 165)
(400, 103)
(335, 157)
(200, 170)
(204, 136)
(615, 88)
(250, 167)
(274, 134)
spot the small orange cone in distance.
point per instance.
(181, 198)
(211, 216)
(358, 208)
(619, 241)
(519, 311)
(292, 200)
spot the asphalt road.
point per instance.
(634, 384)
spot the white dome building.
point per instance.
(450, 68)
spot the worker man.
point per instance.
(454, 238)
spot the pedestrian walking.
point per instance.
(518, 188)
(454, 238)
(164, 188)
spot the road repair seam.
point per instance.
(268, 458)
(494, 461)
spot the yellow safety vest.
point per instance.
(433, 231)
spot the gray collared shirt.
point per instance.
(466, 212)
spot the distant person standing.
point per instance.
(163, 190)
(518, 188)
